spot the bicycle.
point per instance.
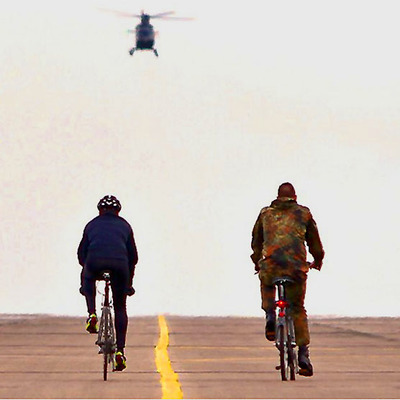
(106, 335)
(285, 339)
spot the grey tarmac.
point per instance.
(46, 356)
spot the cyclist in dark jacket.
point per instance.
(278, 243)
(108, 244)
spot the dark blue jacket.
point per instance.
(108, 236)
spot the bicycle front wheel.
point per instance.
(283, 352)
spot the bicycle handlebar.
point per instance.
(311, 265)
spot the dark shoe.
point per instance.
(305, 366)
(270, 327)
(91, 324)
(120, 361)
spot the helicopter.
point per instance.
(145, 34)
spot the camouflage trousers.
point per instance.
(295, 294)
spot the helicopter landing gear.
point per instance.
(131, 51)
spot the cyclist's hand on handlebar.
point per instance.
(130, 291)
(314, 266)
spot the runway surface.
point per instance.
(196, 357)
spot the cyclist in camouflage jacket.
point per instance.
(278, 243)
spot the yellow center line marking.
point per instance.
(233, 359)
(171, 388)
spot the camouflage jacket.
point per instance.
(280, 234)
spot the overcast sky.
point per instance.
(194, 143)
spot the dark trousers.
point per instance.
(119, 272)
(295, 294)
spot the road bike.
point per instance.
(106, 335)
(285, 339)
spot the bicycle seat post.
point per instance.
(281, 291)
(106, 277)
(281, 283)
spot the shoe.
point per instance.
(270, 327)
(306, 368)
(120, 361)
(91, 324)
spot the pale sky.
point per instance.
(194, 143)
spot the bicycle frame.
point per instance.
(285, 339)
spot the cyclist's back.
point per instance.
(108, 236)
(280, 234)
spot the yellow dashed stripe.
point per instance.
(171, 388)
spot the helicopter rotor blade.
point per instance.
(163, 14)
(166, 15)
(179, 18)
(120, 13)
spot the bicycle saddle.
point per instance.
(282, 280)
(105, 275)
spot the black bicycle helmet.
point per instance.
(109, 203)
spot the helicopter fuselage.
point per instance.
(144, 36)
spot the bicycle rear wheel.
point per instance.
(106, 315)
(107, 341)
(108, 360)
(291, 359)
(283, 353)
(292, 349)
(105, 366)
